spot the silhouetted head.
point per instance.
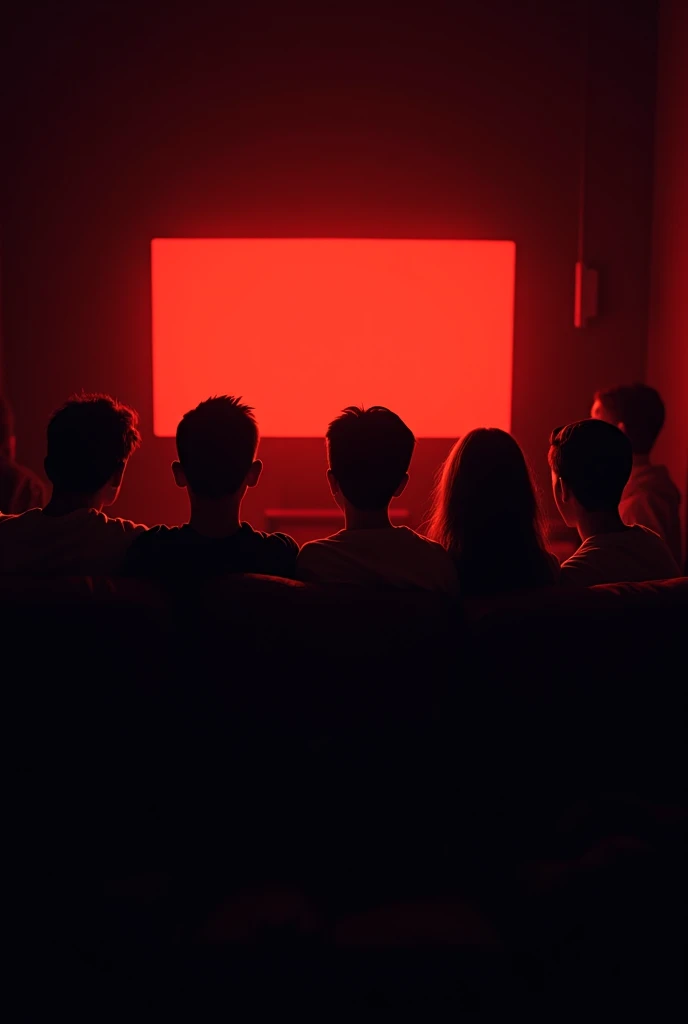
(591, 461)
(636, 409)
(486, 514)
(216, 444)
(7, 438)
(90, 440)
(369, 452)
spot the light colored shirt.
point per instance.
(392, 556)
(628, 556)
(81, 543)
(652, 499)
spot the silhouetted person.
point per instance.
(650, 497)
(486, 515)
(591, 462)
(369, 452)
(20, 488)
(90, 440)
(216, 444)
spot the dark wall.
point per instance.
(463, 121)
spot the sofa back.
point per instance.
(283, 726)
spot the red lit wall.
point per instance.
(123, 124)
(302, 328)
(668, 345)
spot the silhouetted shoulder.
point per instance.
(633, 555)
(170, 551)
(390, 556)
(157, 535)
(277, 541)
(125, 525)
(20, 488)
(144, 555)
(84, 541)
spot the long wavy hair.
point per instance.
(487, 516)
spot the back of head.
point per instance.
(216, 445)
(594, 459)
(89, 440)
(6, 424)
(485, 496)
(370, 452)
(638, 408)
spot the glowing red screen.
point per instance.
(303, 327)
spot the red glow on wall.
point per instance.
(303, 327)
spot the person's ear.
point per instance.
(179, 474)
(253, 475)
(622, 427)
(563, 491)
(332, 481)
(402, 486)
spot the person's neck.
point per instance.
(641, 460)
(603, 521)
(215, 518)
(63, 502)
(366, 519)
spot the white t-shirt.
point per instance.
(81, 543)
(392, 556)
(628, 556)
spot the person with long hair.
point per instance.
(486, 515)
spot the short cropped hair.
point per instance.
(593, 458)
(640, 409)
(6, 421)
(370, 451)
(216, 445)
(89, 439)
